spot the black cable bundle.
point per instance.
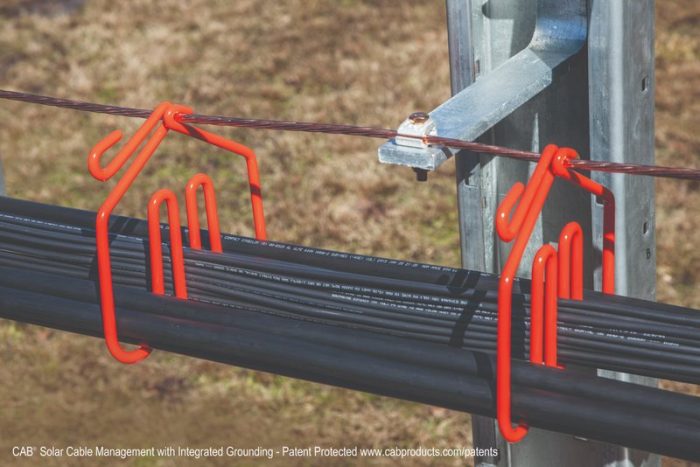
(417, 301)
(401, 329)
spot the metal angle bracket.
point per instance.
(560, 32)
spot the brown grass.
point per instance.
(348, 61)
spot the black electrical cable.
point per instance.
(137, 274)
(210, 274)
(455, 307)
(675, 314)
(68, 245)
(565, 401)
(242, 291)
(85, 290)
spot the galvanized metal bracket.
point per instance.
(560, 32)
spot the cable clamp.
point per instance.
(418, 124)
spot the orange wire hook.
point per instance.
(177, 251)
(157, 126)
(560, 168)
(531, 198)
(543, 304)
(104, 263)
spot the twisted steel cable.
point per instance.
(683, 173)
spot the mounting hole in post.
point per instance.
(645, 227)
(645, 83)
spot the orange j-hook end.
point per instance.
(561, 168)
(571, 262)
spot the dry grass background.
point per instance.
(349, 61)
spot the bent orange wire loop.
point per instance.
(564, 279)
(531, 198)
(177, 252)
(543, 304)
(104, 263)
(155, 244)
(207, 185)
(570, 279)
(170, 121)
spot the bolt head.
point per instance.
(421, 175)
(419, 117)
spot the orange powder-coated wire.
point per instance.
(154, 239)
(157, 125)
(543, 304)
(104, 264)
(207, 185)
(571, 262)
(554, 162)
(531, 200)
(171, 122)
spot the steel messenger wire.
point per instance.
(353, 130)
(636, 337)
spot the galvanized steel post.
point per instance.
(525, 73)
